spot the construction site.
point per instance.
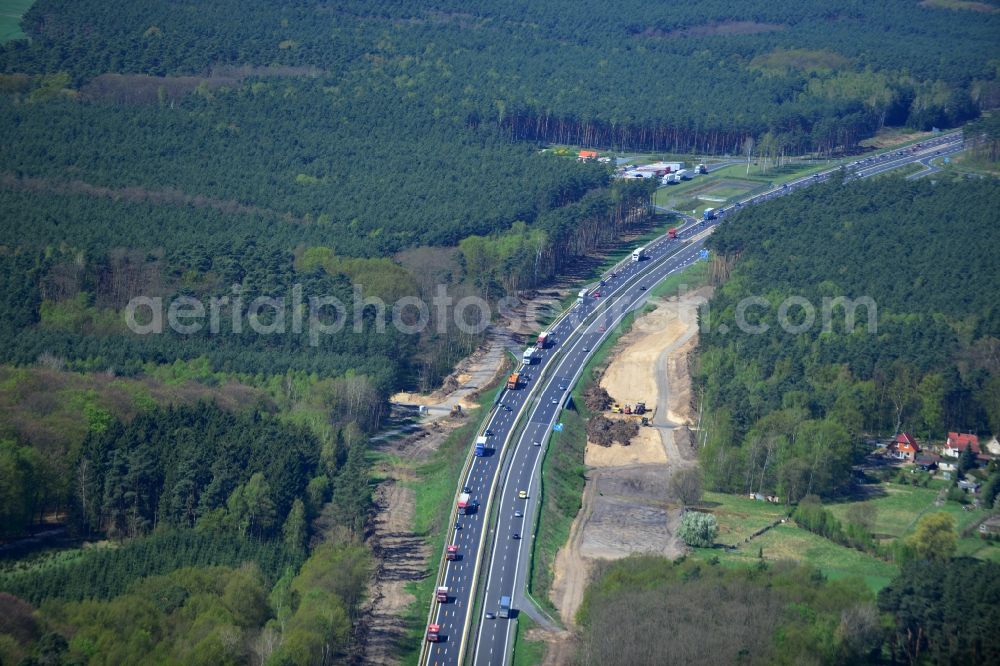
(627, 504)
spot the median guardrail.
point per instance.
(452, 518)
(518, 427)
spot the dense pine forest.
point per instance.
(212, 488)
(788, 407)
(806, 73)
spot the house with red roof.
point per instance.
(904, 447)
(957, 442)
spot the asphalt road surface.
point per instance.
(572, 341)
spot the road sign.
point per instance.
(558, 427)
(703, 254)
(947, 160)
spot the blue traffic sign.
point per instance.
(558, 427)
(703, 254)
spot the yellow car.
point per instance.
(523, 494)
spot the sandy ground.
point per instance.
(628, 378)
(463, 385)
(627, 507)
(515, 329)
(647, 447)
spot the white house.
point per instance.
(957, 442)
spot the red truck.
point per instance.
(441, 594)
(672, 233)
(433, 633)
(451, 553)
(543, 340)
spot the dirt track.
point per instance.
(401, 555)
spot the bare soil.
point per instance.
(401, 555)
(627, 504)
(628, 378)
(647, 447)
(680, 403)
(560, 646)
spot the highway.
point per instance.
(574, 337)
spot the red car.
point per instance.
(597, 294)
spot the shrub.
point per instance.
(698, 529)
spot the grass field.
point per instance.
(730, 183)
(902, 171)
(789, 542)
(740, 517)
(526, 653)
(964, 164)
(11, 12)
(897, 511)
(891, 137)
(690, 278)
(895, 514)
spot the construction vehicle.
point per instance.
(504, 606)
(441, 594)
(543, 340)
(640, 408)
(512, 381)
(672, 234)
(433, 633)
(645, 421)
(451, 552)
(616, 408)
(481, 447)
(628, 409)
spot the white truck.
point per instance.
(528, 357)
(639, 254)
